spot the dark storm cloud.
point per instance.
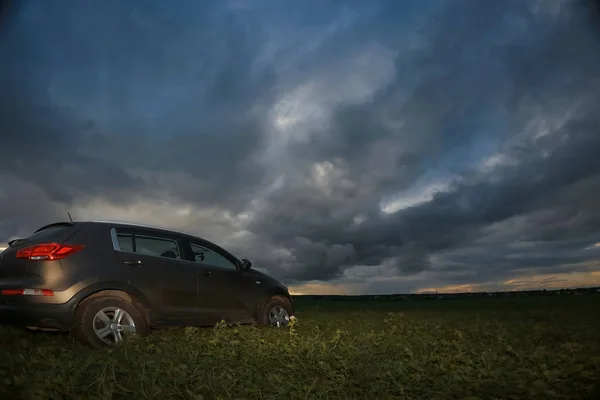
(92, 104)
(490, 70)
(467, 53)
(306, 119)
(559, 180)
(40, 144)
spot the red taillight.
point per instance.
(48, 251)
(27, 292)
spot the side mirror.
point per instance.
(246, 264)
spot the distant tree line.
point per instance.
(441, 296)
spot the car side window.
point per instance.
(154, 246)
(148, 245)
(206, 256)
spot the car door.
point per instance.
(155, 267)
(224, 291)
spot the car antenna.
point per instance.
(69, 214)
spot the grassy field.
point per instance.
(511, 348)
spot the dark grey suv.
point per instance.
(106, 280)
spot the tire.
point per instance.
(273, 305)
(91, 317)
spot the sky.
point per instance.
(344, 147)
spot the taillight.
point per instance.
(27, 292)
(48, 251)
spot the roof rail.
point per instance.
(133, 224)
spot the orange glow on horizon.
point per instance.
(534, 282)
(466, 288)
(323, 288)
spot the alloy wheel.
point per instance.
(113, 324)
(279, 317)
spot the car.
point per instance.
(105, 281)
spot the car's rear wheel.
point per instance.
(107, 320)
(277, 313)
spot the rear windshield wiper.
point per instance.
(16, 241)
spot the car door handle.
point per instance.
(206, 273)
(134, 263)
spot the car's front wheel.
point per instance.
(277, 313)
(107, 320)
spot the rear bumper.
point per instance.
(52, 316)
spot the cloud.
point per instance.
(347, 147)
(545, 149)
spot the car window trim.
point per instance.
(151, 235)
(183, 240)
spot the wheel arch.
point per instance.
(274, 293)
(117, 289)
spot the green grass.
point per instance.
(512, 348)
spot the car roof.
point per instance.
(145, 226)
(133, 225)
